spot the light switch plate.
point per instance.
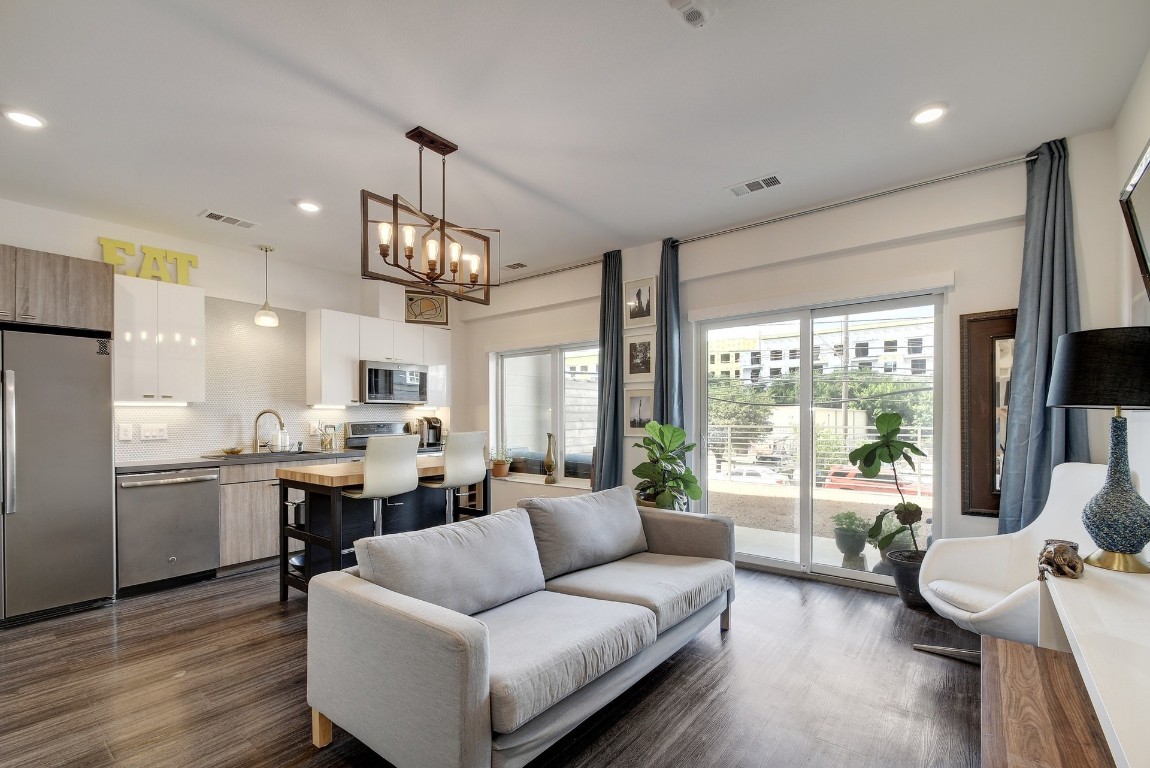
(153, 431)
(126, 432)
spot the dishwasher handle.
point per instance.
(167, 481)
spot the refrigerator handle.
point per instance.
(9, 442)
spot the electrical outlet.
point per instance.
(126, 433)
(153, 431)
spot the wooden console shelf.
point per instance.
(1036, 711)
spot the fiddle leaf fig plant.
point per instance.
(664, 478)
(869, 458)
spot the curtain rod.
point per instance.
(787, 217)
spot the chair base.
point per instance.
(1118, 561)
(959, 654)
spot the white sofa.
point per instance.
(482, 643)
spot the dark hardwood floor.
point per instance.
(213, 675)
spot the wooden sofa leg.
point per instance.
(725, 620)
(320, 728)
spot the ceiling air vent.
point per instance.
(754, 185)
(516, 265)
(223, 218)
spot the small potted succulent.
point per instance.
(500, 461)
(850, 533)
(869, 458)
(665, 480)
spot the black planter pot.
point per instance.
(906, 563)
(849, 541)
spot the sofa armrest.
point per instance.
(406, 677)
(684, 533)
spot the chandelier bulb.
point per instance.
(409, 241)
(432, 256)
(384, 238)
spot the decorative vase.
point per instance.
(549, 459)
(1117, 518)
(905, 565)
(500, 468)
(850, 542)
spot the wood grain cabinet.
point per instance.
(42, 288)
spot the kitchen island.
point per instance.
(328, 523)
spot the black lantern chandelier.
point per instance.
(421, 250)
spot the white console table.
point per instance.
(1103, 618)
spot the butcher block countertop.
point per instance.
(347, 474)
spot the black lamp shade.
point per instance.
(1102, 368)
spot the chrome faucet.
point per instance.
(256, 426)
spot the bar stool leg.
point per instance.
(450, 505)
(377, 516)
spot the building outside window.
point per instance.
(775, 372)
(865, 365)
(890, 345)
(839, 350)
(725, 374)
(725, 357)
(776, 354)
(914, 346)
(552, 390)
(756, 358)
(889, 367)
(793, 354)
(918, 366)
(862, 349)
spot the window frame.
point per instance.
(558, 370)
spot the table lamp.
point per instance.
(1109, 368)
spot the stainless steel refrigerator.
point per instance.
(56, 530)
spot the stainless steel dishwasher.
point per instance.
(167, 525)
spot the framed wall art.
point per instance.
(638, 409)
(987, 340)
(639, 364)
(424, 308)
(639, 302)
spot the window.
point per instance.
(793, 354)
(725, 357)
(815, 353)
(756, 358)
(549, 390)
(712, 359)
(865, 366)
(918, 366)
(890, 345)
(889, 367)
(818, 368)
(839, 349)
(776, 372)
(914, 346)
(862, 348)
(776, 354)
(725, 374)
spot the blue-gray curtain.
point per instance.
(668, 406)
(1040, 438)
(609, 435)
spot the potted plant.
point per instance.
(665, 480)
(889, 449)
(500, 461)
(850, 533)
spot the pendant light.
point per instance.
(266, 315)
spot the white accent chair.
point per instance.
(464, 463)
(989, 584)
(389, 469)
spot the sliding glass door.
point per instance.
(787, 397)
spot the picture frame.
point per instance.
(637, 411)
(424, 308)
(639, 358)
(639, 302)
(987, 347)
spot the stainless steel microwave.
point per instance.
(392, 382)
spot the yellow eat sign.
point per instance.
(153, 261)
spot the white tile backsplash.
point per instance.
(249, 368)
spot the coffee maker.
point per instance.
(432, 432)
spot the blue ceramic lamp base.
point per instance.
(1117, 518)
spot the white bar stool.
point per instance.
(388, 470)
(464, 463)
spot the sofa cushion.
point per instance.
(577, 532)
(468, 567)
(547, 645)
(671, 586)
(965, 596)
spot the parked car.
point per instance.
(845, 477)
(753, 474)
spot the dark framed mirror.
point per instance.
(987, 341)
(1135, 202)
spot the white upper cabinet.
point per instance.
(158, 341)
(437, 358)
(409, 343)
(331, 375)
(376, 339)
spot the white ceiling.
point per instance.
(582, 126)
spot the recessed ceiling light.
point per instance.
(929, 114)
(307, 205)
(24, 119)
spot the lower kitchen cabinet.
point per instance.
(249, 511)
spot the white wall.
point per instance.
(965, 233)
